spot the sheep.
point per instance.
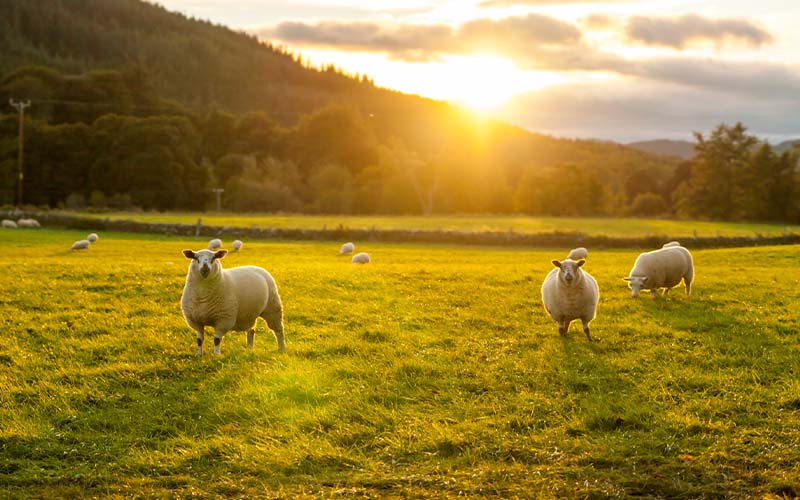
(215, 244)
(9, 224)
(569, 293)
(80, 245)
(229, 299)
(671, 244)
(92, 237)
(347, 248)
(29, 223)
(360, 258)
(662, 268)
(577, 254)
(237, 245)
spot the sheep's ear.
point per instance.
(220, 254)
(189, 254)
(627, 278)
(580, 263)
(557, 264)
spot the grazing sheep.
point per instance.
(29, 223)
(92, 237)
(569, 293)
(237, 245)
(10, 224)
(662, 268)
(577, 254)
(229, 299)
(672, 244)
(215, 244)
(80, 245)
(360, 258)
(347, 248)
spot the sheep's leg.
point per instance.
(687, 280)
(666, 291)
(251, 333)
(586, 330)
(274, 320)
(217, 340)
(563, 326)
(654, 292)
(200, 335)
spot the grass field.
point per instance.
(469, 223)
(432, 372)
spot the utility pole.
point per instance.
(218, 192)
(20, 107)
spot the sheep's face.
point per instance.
(568, 270)
(205, 262)
(636, 284)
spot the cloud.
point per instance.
(516, 37)
(677, 32)
(509, 3)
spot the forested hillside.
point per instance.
(135, 106)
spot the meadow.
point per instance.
(432, 372)
(620, 227)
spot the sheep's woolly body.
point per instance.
(28, 223)
(360, 258)
(347, 248)
(80, 245)
(565, 301)
(671, 244)
(92, 237)
(9, 224)
(231, 299)
(578, 253)
(662, 268)
(215, 244)
(237, 245)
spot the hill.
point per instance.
(680, 149)
(786, 146)
(83, 60)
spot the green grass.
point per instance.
(630, 227)
(432, 372)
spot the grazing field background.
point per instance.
(432, 372)
(622, 227)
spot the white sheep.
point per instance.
(360, 258)
(229, 299)
(92, 237)
(29, 223)
(577, 254)
(80, 245)
(347, 248)
(215, 244)
(237, 245)
(662, 268)
(671, 244)
(9, 224)
(569, 293)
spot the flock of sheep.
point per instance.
(570, 293)
(21, 223)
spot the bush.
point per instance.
(648, 204)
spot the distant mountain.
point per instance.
(786, 146)
(666, 147)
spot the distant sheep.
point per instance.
(360, 258)
(671, 244)
(569, 293)
(9, 224)
(237, 245)
(215, 244)
(347, 248)
(28, 223)
(229, 299)
(662, 268)
(80, 245)
(92, 237)
(577, 254)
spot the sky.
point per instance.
(621, 70)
